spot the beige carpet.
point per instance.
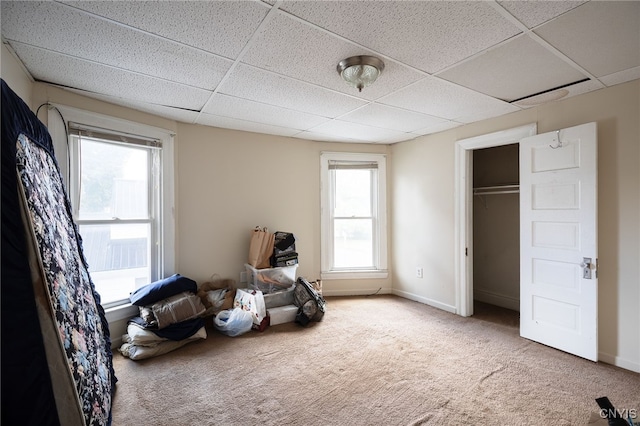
(379, 360)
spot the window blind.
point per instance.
(352, 165)
(82, 130)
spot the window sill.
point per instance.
(354, 275)
(121, 312)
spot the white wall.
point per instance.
(423, 202)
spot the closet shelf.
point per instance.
(498, 189)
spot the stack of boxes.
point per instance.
(278, 282)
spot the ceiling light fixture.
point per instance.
(360, 71)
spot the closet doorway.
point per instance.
(464, 209)
(558, 233)
(496, 226)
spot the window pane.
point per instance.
(353, 193)
(114, 181)
(118, 258)
(353, 243)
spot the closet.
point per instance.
(496, 226)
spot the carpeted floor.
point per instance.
(378, 360)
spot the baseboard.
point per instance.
(619, 362)
(358, 292)
(116, 343)
(496, 299)
(425, 300)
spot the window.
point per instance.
(121, 191)
(354, 241)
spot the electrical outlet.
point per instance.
(419, 272)
(243, 277)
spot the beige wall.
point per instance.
(231, 181)
(423, 207)
(223, 190)
(15, 76)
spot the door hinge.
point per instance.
(466, 251)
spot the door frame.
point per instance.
(463, 215)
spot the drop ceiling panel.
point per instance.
(612, 29)
(563, 93)
(265, 87)
(176, 114)
(296, 49)
(355, 131)
(270, 66)
(493, 72)
(439, 98)
(320, 137)
(534, 13)
(72, 32)
(389, 117)
(247, 126)
(221, 27)
(621, 76)
(89, 76)
(228, 106)
(441, 127)
(417, 33)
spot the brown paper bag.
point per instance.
(261, 248)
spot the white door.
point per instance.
(558, 240)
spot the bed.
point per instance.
(57, 364)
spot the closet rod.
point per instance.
(500, 189)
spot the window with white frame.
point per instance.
(354, 237)
(121, 194)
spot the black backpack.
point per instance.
(311, 305)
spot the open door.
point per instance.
(558, 240)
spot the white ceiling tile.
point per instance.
(177, 114)
(400, 138)
(621, 76)
(563, 93)
(447, 125)
(72, 32)
(360, 132)
(293, 48)
(534, 13)
(265, 87)
(443, 99)
(389, 117)
(221, 27)
(429, 35)
(76, 73)
(173, 58)
(610, 28)
(321, 137)
(228, 106)
(247, 126)
(492, 72)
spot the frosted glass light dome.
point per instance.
(360, 71)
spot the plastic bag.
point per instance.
(216, 298)
(251, 301)
(233, 322)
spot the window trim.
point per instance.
(380, 218)
(61, 143)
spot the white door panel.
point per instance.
(558, 229)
